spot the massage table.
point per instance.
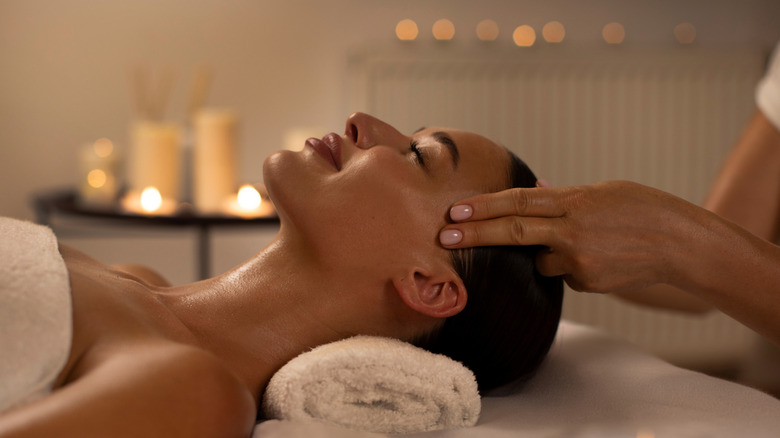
(595, 385)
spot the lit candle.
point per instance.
(248, 202)
(98, 166)
(149, 201)
(155, 158)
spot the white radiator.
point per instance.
(665, 118)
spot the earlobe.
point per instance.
(438, 296)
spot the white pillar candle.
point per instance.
(214, 159)
(98, 173)
(154, 158)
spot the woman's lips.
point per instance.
(329, 148)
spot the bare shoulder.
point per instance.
(145, 273)
(162, 389)
(211, 396)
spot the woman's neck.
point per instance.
(259, 315)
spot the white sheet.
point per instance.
(594, 385)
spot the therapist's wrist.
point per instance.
(713, 253)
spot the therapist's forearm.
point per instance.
(746, 192)
(664, 296)
(736, 271)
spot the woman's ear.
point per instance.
(438, 295)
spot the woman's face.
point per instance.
(373, 197)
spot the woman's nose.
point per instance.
(367, 131)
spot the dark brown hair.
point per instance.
(512, 313)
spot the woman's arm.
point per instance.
(161, 391)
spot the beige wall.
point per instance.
(64, 72)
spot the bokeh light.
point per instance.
(613, 33)
(524, 36)
(103, 147)
(553, 32)
(406, 30)
(96, 178)
(443, 30)
(487, 30)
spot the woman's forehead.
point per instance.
(479, 157)
(465, 140)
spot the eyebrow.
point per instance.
(445, 139)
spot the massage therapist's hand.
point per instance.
(607, 237)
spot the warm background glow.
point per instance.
(406, 30)
(487, 30)
(613, 33)
(524, 36)
(553, 32)
(443, 30)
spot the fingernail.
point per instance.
(542, 183)
(460, 212)
(450, 237)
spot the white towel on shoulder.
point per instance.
(35, 312)
(374, 384)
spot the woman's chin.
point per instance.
(279, 172)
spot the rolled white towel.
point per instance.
(374, 384)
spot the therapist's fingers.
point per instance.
(539, 201)
(508, 230)
(550, 263)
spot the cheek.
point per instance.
(371, 213)
(382, 221)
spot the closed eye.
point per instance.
(418, 153)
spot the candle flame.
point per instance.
(248, 197)
(151, 200)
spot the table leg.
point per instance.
(204, 252)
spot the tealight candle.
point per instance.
(248, 202)
(149, 202)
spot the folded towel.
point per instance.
(35, 312)
(374, 384)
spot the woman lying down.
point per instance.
(357, 253)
